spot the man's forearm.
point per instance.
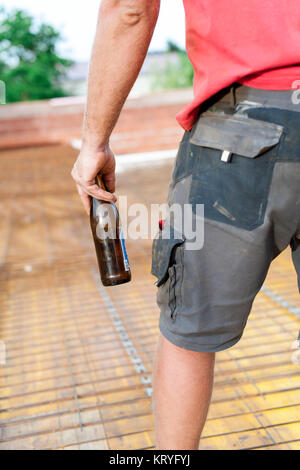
(124, 32)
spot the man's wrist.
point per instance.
(95, 143)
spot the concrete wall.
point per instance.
(146, 123)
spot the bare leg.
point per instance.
(183, 382)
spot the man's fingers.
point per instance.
(110, 181)
(98, 193)
(86, 200)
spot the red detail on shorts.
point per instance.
(161, 224)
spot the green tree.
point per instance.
(30, 65)
(176, 73)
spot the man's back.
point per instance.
(253, 42)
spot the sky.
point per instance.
(77, 21)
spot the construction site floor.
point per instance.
(79, 356)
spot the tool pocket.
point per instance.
(167, 266)
(233, 163)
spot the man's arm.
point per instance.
(124, 32)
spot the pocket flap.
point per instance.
(236, 134)
(162, 251)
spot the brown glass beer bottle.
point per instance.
(109, 242)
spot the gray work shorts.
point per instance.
(241, 161)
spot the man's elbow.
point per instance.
(132, 12)
(132, 16)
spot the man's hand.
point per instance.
(88, 164)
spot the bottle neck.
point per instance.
(100, 182)
(102, 185)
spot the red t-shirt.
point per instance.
(253, 42)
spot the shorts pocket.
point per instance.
(167, 267)
(235, 191)
(164, 253)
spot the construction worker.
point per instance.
(239, 157)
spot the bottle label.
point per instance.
(125, 256)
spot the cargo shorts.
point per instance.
(241, 161)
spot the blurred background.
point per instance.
(77, 372)
(44, 55)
